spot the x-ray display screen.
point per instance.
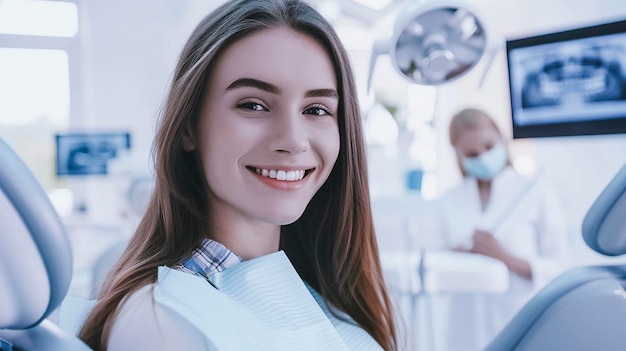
(88, 153)
(570, 82)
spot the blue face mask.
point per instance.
(488, 164)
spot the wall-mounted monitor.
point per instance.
(81, 154)
(570, 82)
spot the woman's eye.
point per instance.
(251, 105)
(317, 110)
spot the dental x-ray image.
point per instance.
(570, 82)
(583, 75)
(88, 153)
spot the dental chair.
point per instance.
(584, 308)
(35, 262)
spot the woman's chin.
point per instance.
(283, 218)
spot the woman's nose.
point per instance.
(290, 134)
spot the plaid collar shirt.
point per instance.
(209, 258)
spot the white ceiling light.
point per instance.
(433, 43)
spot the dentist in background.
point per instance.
(499, 213)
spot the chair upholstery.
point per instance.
(584, 308)
(35, 261)
(604, 227)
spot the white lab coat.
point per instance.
(260, 304)
(525, 217)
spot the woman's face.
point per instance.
(474, 142)
(268, 135)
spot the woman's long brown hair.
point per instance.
(332, 246)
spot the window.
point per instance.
(37, 17)
(38, 41)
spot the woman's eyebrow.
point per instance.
(331, 93)
(254, 83)
(271, 88)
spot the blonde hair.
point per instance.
(469, 119)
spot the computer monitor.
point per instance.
(82, 154)
(570, 82)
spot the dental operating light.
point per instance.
(433, 43)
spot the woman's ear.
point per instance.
(189, 143)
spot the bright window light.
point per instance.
(34, 86)
(39, 18)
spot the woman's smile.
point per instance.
(279, 174)
(281, 179)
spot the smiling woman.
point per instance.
(255, 116)
(259, 232)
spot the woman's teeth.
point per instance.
(280, 174)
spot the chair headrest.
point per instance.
(35, 253)
(604, 226)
